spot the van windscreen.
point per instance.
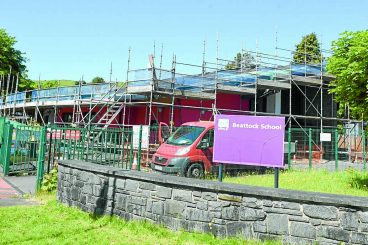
(185, 135)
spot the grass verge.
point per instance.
(348, 182)
(54, 223)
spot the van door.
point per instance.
(163, 132)
(205, 148)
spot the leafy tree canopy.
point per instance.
(98, 80)
(80, 82)
(349, 63)
(12, 60)
(308, 50)
(49, 84)
(246, 62)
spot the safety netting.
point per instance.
(17, 98)
(165, 80)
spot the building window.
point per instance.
(67, 117)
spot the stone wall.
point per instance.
(218, 208)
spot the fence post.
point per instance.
(2, 130)
(2, 143)
(8, 135)
(310, 147)
(364, 151)
(50, 149)
(337, 149)
(83, 139)
(41, 158)
(289, 148)
(139, 148)
(131, 151)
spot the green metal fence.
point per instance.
(112, 146)
(330, 148)
(37, 150)
(22, 149)
(19, 151)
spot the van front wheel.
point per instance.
(195, 170)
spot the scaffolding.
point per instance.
(265, 76)
(299, 91)
(262, 83)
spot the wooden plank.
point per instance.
(235, 89)
(273, 84)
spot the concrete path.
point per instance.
(7, 191)
(13, 188)
(24, 184)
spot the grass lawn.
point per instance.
(349, 182)
(54, 223)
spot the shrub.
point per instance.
(49, 182)
(358, 180)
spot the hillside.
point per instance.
(54, 83)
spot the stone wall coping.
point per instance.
(220, 187)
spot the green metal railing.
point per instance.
(39, 149)
(36, 150)
(6, 144)
(20, 148)
(41, 159)
(307, 148)
(103, 146)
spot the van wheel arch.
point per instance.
(194, 170)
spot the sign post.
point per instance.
(250, 140)
(220, 171)
(276, 179)
(140, 136)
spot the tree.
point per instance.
(349, 64)
(82, 82)
(98, 80)
(308, 50)
(12, 62)
(49, 84)
(26, 84)
(247, 61)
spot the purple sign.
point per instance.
(249, 140)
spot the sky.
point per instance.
(68, 39)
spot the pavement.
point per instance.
(24, 184)
(14, 189)
(6, 190)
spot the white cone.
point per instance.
(135, 163)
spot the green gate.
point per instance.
(111, 146)
(20, 146)
(22, 149)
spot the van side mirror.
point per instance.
(203, 144)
